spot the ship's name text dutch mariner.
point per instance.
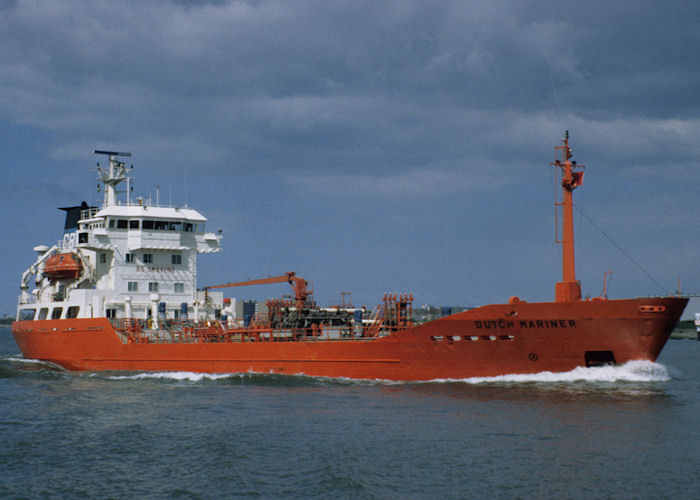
(504, 324)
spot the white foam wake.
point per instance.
(177, 376)
(632, 371)
(32, 362)
(19, 359)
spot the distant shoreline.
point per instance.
(685, 330)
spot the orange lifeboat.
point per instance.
(63, 266)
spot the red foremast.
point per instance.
(569, 289)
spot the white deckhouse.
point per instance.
(126, 259)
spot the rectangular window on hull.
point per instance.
(133, 286)
(152, 286)
(179, 288)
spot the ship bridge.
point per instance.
(136, 259)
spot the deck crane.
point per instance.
(298, 285)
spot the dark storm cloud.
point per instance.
(368, 82)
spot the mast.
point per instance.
(569, 289)
(113, 176)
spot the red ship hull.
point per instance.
(488, 341)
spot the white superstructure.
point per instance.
(126, 259)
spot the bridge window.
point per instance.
(175, 226)
(43, 313)
(82, 237)
(73, 312)
(176, 258)
(122, 223)
(152, 286)
(148, 224)
(26, 314)
(56, 313)
(133, 286)
(103, 258)
(148, 258)
(134, 224)
(188, 227)
(129, 257)
(161, 225)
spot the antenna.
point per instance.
(110, 153)
(184, 175)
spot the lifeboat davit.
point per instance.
(63, 266)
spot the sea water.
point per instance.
(611, 432)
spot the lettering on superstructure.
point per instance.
(502, 324)
(155, 269)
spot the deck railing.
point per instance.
(135, 330)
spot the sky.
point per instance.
(369, 146)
